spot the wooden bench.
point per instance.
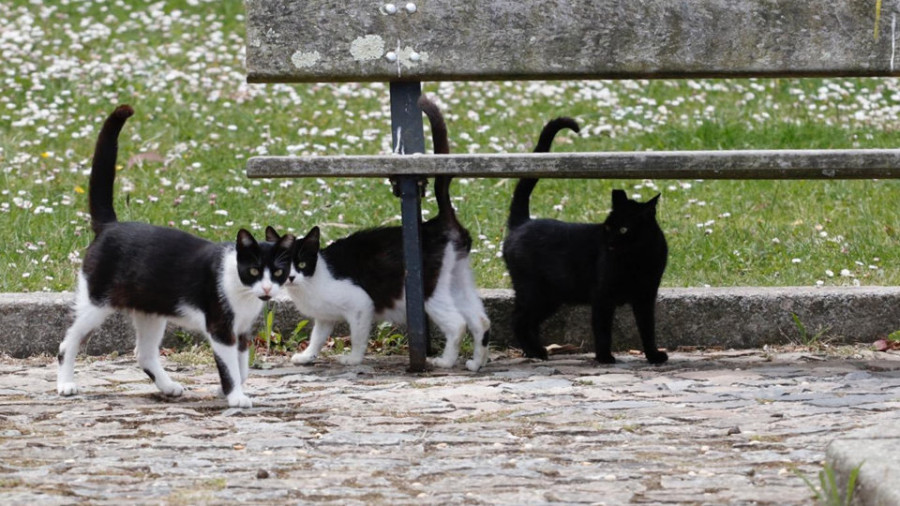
(439, 40)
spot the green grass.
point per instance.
(180, 64)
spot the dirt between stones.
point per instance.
(707, 427)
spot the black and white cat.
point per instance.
(159, 274)
(605, 265)
(360, 278)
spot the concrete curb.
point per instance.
(876, 452)
(34, 323)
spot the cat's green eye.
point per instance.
(301, 265)
(278, 273)
(623, 230)
(254, 271)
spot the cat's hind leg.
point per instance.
(468, 303)
(320, 332)
(88, 316)
(644, 310)
(149, 330)
(360, 326)
(442, 310)
(528, 315)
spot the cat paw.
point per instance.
(606, 358)
(442, 362)
(539, 353)
(172, 390)
(657, 357)
(473, 365)
(239, 401)
(349, 360)
(303, 358)
(66, 389)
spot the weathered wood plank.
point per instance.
(356, 40)
(750, 164)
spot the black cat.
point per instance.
(159, 274)
(620, 261)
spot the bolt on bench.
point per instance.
(307, 41)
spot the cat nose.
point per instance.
(291, 279)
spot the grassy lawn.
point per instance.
(67, 64)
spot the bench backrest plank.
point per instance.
(745, 164)
(354, 40)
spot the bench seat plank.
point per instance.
(746, 164)
(356, 40)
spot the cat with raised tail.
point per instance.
(551, 263)
(360, 278)
(158, 274)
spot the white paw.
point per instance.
(67, 388)
(303, 358)
(172, 390)
(349, 360)
(239, 401)
(473, 366)
(443, 363)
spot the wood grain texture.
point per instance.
(750, 164)
(349, 40)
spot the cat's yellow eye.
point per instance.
(623, 230)
(254, 271)
(278, 273)
(301, 265)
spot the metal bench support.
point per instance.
(408, 137)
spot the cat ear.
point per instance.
(285, 241)
(619, 198)
(313, 235)
(653, 201)
(272, 235)
(245, 239)
(310, 242)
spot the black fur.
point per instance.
(551, 263)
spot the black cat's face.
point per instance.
(304, 255)
(263, 267)
(629, 220)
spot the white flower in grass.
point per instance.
(829, 273)
(796, 260)
(845, 273)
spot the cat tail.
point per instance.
(103, 169)
(518, 210)
(441, 147)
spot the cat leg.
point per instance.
(320, 332)
(602, 312)
(469, 304)
(149, 330)
(87, 317)
(442, 310)
(528, 315)
(244, 343)
(228, 364)
(360, 327)
(644, 310)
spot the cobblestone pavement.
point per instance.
(706, 428)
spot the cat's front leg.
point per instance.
(244, 343)
(602, 312)
(320, 332)
(226, 356)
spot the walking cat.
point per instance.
(159, 274)
(360, 278)
(605, 265)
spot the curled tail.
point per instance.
(518, 210)
(103, 169)
(441, 147)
